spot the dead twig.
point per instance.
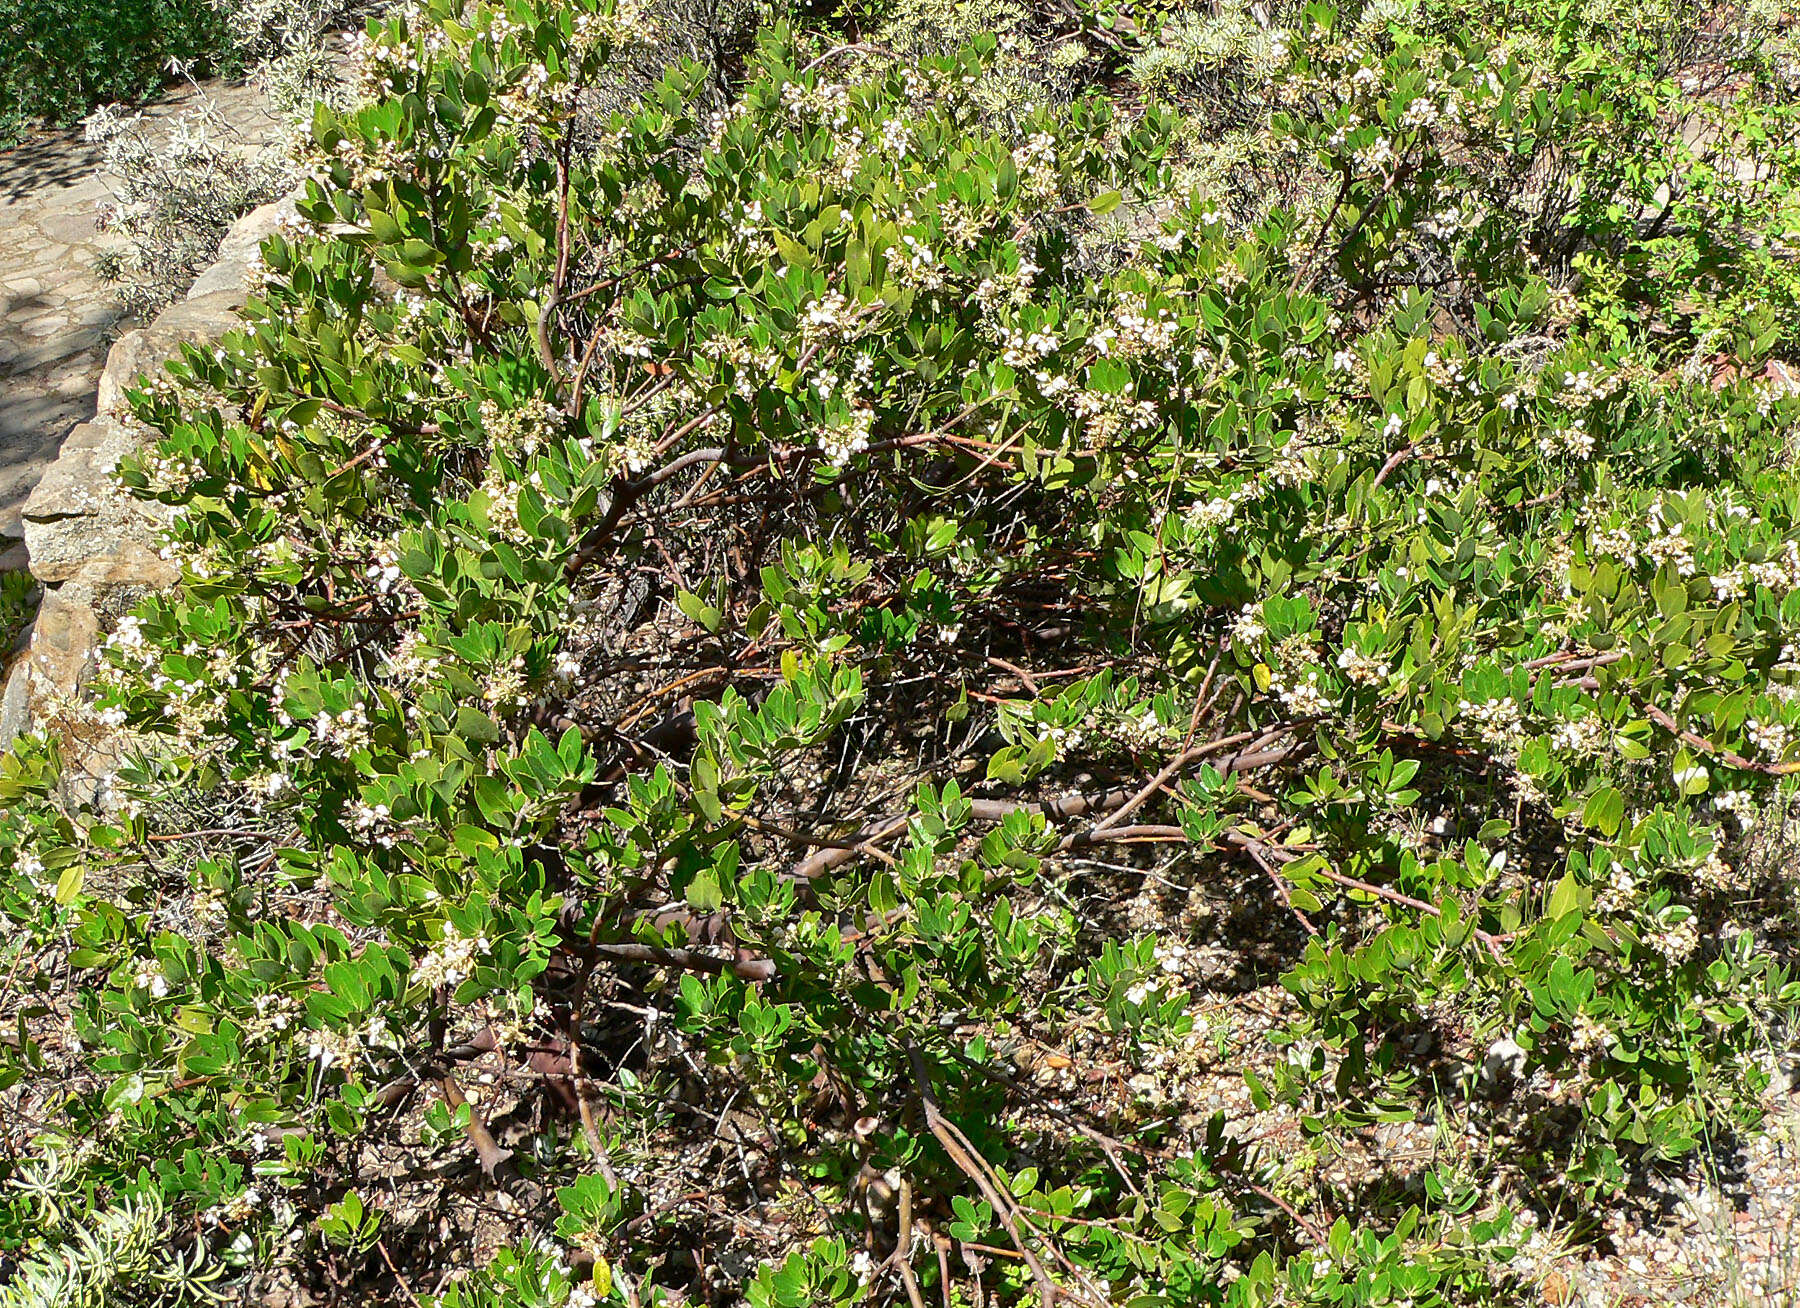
(692, 960)
(963, 1154)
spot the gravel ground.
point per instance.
(1731, 1240)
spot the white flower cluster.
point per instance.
(1669, 543)
(28, 865)
(330, 1049)
(1026, 349)
(192, 705)
(148, 974)
(896, 137)
(1205, 517)
(383, 572)
(1446, 223)
(523, 427)
(754, 366)
(1035, 159)
(1713, 872)
(1587, 1036)
(1615, 543)
(1104, 415)
(1247, 628)
(1584, 737)
(1066, 738)
(236, 1210)
(846, 436)
(382, 65)
(828, 102)
(501, 492)
(1292, 464)
(1579, 389)
(208, 908)
(1768, 738)
(374, 822)
(962, 225)
(453, 959)
(917, 265)
(1619, 893)
(506, 686)
(333, 1048)
(1571, 440)
(1496, 720)
(827, 318)
(1780, 572)
(405, 663)
(510, 1020)
(275, 1013)
(1740, 804)
(169, 473)
(339, 734)
(629, 25)
(368, 163)
(1016, 286)
(1675, 937)
(1302, 695)
(1363, 669)
(1134, 331)
(1144, 732)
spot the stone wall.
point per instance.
(91, 546)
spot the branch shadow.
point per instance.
(50, 157)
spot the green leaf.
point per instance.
(1605, 811)
(1566, 898)
(698, 610)
(703, 893)
(474, 725)
(68, 885)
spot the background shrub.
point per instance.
(59, 58)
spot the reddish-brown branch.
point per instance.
(1256, 847)
(487, 1149)
(690, 960)
(1729, 757)
(956, 1145)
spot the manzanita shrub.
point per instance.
(961, 670)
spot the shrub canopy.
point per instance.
(950, 664)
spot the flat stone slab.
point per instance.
(71, 226)
(32, 422)
(57, 317)
(78, 521)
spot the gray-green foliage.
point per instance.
(111, 1250)
(295, 48)
(181, 181)
(1221, 56)
(106, 1256)
(180, 184)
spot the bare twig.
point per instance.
(493, 1158)
(691, 960)
(1252, 845)
(957, 1146)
